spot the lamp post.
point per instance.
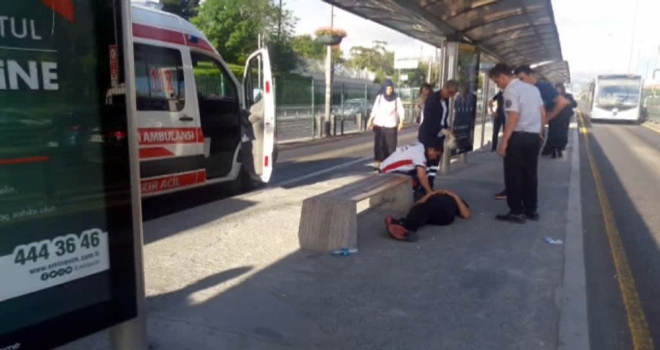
(328, 76)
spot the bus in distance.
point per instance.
(616, 97)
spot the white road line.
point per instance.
(321, 172)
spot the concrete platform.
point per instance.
(229, 275)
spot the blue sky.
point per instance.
(595, 34)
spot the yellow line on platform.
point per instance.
(639, 329)
(650, 127)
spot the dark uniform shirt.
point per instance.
(499, 98)
(549, 94)
(436, 117)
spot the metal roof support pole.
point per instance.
(451, 71)
(442, 63)
(484, 106)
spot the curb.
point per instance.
(573, 315)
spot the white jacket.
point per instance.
(387, 114)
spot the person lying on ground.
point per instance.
(412, 160)
(438, 208)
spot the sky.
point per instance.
(595, 35)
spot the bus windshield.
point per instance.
(618, 93)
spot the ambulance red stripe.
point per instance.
(169, 36)
(26, 160)
(156, 152)
(172, 182)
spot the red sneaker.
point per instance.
(399, 232)
(501, 195)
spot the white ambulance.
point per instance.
(197, 124)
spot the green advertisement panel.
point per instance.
(66, 238)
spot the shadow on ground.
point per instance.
(478, 284)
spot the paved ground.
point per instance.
(229, 275)
(627, 159)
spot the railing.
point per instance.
(653, 108)
(301, 108)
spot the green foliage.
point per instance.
(376, 59)
(183, 8)
(305, 46)
(233, 26)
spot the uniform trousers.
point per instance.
(521, 172)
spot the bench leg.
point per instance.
(327, 224)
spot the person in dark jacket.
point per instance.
(436, 118)
(566, 120)
(499, 118)
(557, 109)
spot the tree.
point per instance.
(233, 28)
(376, 59)
(305, 46)
(183, 8)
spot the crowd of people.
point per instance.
(521, 109)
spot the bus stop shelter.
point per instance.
(512, 31)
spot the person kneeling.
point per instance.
(412, 160)
(437, 208)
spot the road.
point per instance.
(296, 165)
(623, 292)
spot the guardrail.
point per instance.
(298, 123)
(653, 109)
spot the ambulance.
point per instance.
(197, 123)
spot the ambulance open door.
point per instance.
(260, 102)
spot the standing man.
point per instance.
(520, 144)
(565, 122)
(499, 118)
(436, 118)
(557, 107)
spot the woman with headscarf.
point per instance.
(385, 120)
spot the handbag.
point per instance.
(450, 139)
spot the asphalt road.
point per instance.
(627, 158)
(296, 165)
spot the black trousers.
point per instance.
(557, 134)
(498, 123)
(426, 214)
(418, 190)
(384, 142)
(521, 172)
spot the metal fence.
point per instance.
(301, 108)
(653, 108)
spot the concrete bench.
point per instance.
(328, 221)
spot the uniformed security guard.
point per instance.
(520, 144)
(557, 109)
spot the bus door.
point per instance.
(260, 102)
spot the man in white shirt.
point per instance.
(520, 145)
(413, 160)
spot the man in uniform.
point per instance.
(520, 144)
(414, 160)
(557, 108)
(436, 118)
